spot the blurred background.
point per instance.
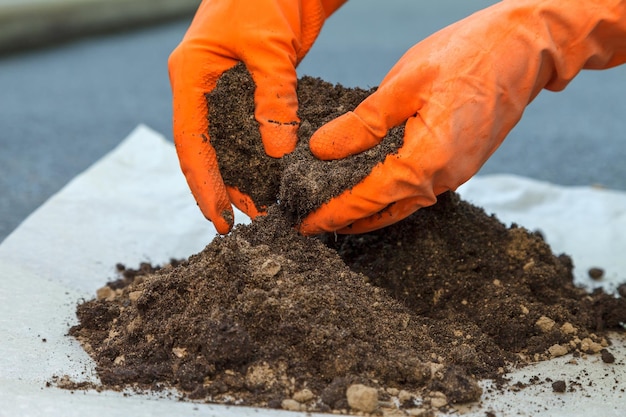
(76, 76)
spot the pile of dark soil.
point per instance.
(409, 317)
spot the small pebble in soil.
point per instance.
(420, 412)
(568, 328)
(438, 399)
(596, 273)
(557, 350)
(545, 324)
(291, 405)
(589, 346)
(607, 357)
(303, 396)
(558, 386)
(362, 398)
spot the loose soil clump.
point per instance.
(410, 316)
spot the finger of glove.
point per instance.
(287, 32)
(245, 203)
(391, 214)
(192, 75)
(388, 183)
(198, 163)
(344, 136)
(276, 102)
(336, 217)
(412, 175)
(337, 214)
(401, 95)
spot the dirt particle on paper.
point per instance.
(607, 356)
(559, 386)
(596, 273)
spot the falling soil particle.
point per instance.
(596, 273)
(422, 309)
(559, 386)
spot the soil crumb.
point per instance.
(407, 318)
(559, 386)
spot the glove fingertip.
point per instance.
(309, 229)
(245, 203)
(345, 136)
(224, 222)
(279, 138)
(311, 224)
(276, 104)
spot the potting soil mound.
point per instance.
(428, 305)
(408, 317)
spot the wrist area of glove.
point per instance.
(566, 37)
(331, 6)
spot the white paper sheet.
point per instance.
(134, 206)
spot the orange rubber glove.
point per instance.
(460, 92)
(271, 37)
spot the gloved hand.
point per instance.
(271, 37)
(460, 92)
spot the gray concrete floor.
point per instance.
(63, 108)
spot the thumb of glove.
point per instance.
(396, 100)
(344, 136)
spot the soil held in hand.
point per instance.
(300, 181)
(267, 317)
